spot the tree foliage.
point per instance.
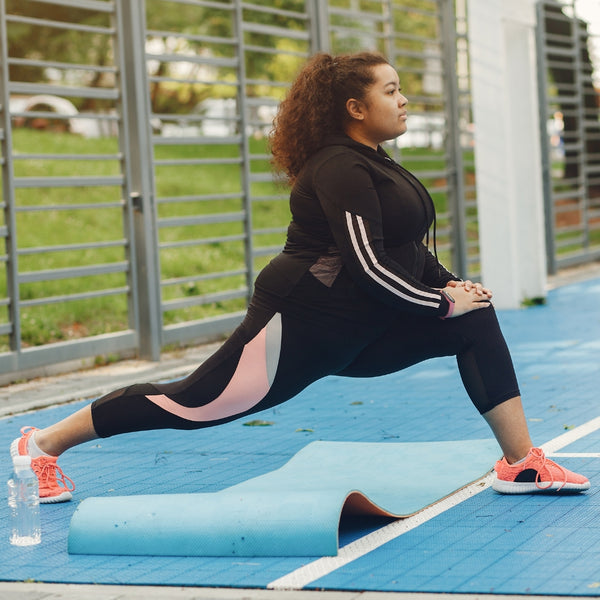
(186, 40)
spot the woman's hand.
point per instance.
(467, 296)
(469, 285)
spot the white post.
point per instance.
(507, 149)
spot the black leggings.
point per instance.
(279, 350)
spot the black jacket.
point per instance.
(354, 208)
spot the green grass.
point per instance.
(56, 219)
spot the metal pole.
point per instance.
(8, 193)
(319, 24)
(583, 171)
(138, 139)
(454, 168)
(244, 148)
(542, 71)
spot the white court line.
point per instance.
(323, 566)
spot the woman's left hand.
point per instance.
(470, 286)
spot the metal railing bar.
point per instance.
(427, 55)
(268, 82)
(53, 115)
(86, 181)
(262, 100)
(214, 61)
(211, 82)
(560, 66)
(417, 11)
(555, 16)
(72, 272)
(261, 177)
(357, 15)
(61, 90)
(92, 157)
(442, 158)
(557, 37)
(201, 329)
(401, 35)
(207, 4)
(566, 52)
(275, 11)
(574, 182)
(74, 297)
(60, 24)
(420, 72)
(347, 29)
(266, 250)
(204, 299)
(100, 6)
(264, 50)
(71, 247)
(196, 140)
(196, 161)
(572, 259)
(271, 197)
(203, 241)
(201, 219)
(268, 230)
(204, 277)
(571, 241)
(178, 118)
(275, 31)
(431, 174)
(198, 198)
(577, 146)
(205, 39)
(51, 207)
(60, 65)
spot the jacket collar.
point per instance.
(341, 139)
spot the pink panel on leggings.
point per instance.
(248, 386)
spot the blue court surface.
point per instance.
(475, 541)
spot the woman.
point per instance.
(355, 292)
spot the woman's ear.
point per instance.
(355, 109)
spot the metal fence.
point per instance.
(137, 193)
(569, 68)
(138, 196)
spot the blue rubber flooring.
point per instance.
(487, 544)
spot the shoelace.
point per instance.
(49, 471)
(539, 455)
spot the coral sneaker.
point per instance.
(536, 474)
(54, 485)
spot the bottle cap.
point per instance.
(21, 460)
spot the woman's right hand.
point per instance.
(466, 299)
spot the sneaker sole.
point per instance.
(64, 497)
(517, 487)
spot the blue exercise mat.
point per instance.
(292, 511)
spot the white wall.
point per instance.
(507, 149)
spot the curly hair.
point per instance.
(315, 106)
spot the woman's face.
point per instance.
(382, 111)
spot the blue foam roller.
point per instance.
(292, 511)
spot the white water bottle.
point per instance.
(24, 504)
